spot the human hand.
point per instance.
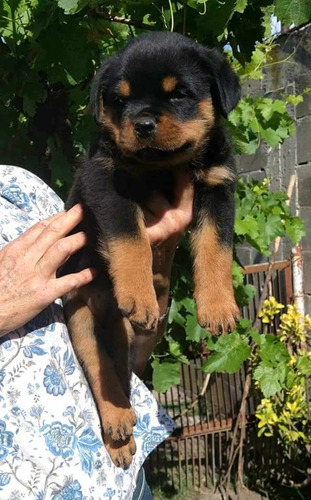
(167, 223)
(28, 268)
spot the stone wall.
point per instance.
(291, 76)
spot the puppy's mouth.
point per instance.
(156, 154)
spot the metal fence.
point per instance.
(197, 453)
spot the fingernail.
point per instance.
(77, 208)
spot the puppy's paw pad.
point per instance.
(121, 452)
(118, 422)
(144, 311)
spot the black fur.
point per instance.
(109, 192)
(123, 168)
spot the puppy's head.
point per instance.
(160, 96)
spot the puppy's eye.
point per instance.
(119, 100)
(178, 95)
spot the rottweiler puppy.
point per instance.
(158, 104)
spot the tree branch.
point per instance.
(197, 399)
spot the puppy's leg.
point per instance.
(129, 259)
(123, 244)
(212, 248)
(117, 416)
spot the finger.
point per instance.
(183, 191)
(158, 233)
(156, 206)
(57, 229)
(59, 253)
(60, 286)
(29, 236)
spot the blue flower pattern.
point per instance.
(49, 426)
(53, 381)
(70, 492)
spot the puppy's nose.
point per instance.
(145, 126)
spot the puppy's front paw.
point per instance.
(142, 310)
(218, 312)
(117, 422)
(121, 452)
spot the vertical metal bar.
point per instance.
(192, 397)
(199, 461)
(212, 398)
(179, 403)
(172, 402)
(206, 460)
(186, 367)
(288, 284)
(213, 459)
(200, 380)
(218, 398)
(186, 461)
(193, 462)
(179, 464)
(224, 377)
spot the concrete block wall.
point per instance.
(292, 76)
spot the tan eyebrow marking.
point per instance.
(169, 83)
(125, 88)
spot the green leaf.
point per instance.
(194, 331)
(241, 6)
(176, 350)
(273, 227)
(69, 6)
(272, 351)
(295, 229)
(247, 225)
(230, 352)
(293, 99)
(165, 374)
(293, 11)
(304, 365)
(269, 379)
(174, 315)
(270, 135)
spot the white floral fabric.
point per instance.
(50, 438)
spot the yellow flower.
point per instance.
(270, 309)
(293, 325)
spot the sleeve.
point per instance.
(50, 437)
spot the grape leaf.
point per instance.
(230, 352)
(165, 374)
(194, 331)
(293, 11)
(295, 229)
(270, 378)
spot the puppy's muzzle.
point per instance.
(145, 127)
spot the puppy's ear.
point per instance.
(98, 89)
(225, 86)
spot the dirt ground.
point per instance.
(231, 495)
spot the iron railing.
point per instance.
(197, 453)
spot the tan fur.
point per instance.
(215, 176)
(171, 134)
(114, 129)
(121, 452)
(116, 414)
(125, 88)
(207, 111)
(169, 83)
(214, 296)
(130, 267)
